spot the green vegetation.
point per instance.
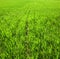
(30, 29)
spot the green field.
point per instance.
(29, 29)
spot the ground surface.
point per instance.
(30, 29)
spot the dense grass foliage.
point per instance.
(29, 29)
